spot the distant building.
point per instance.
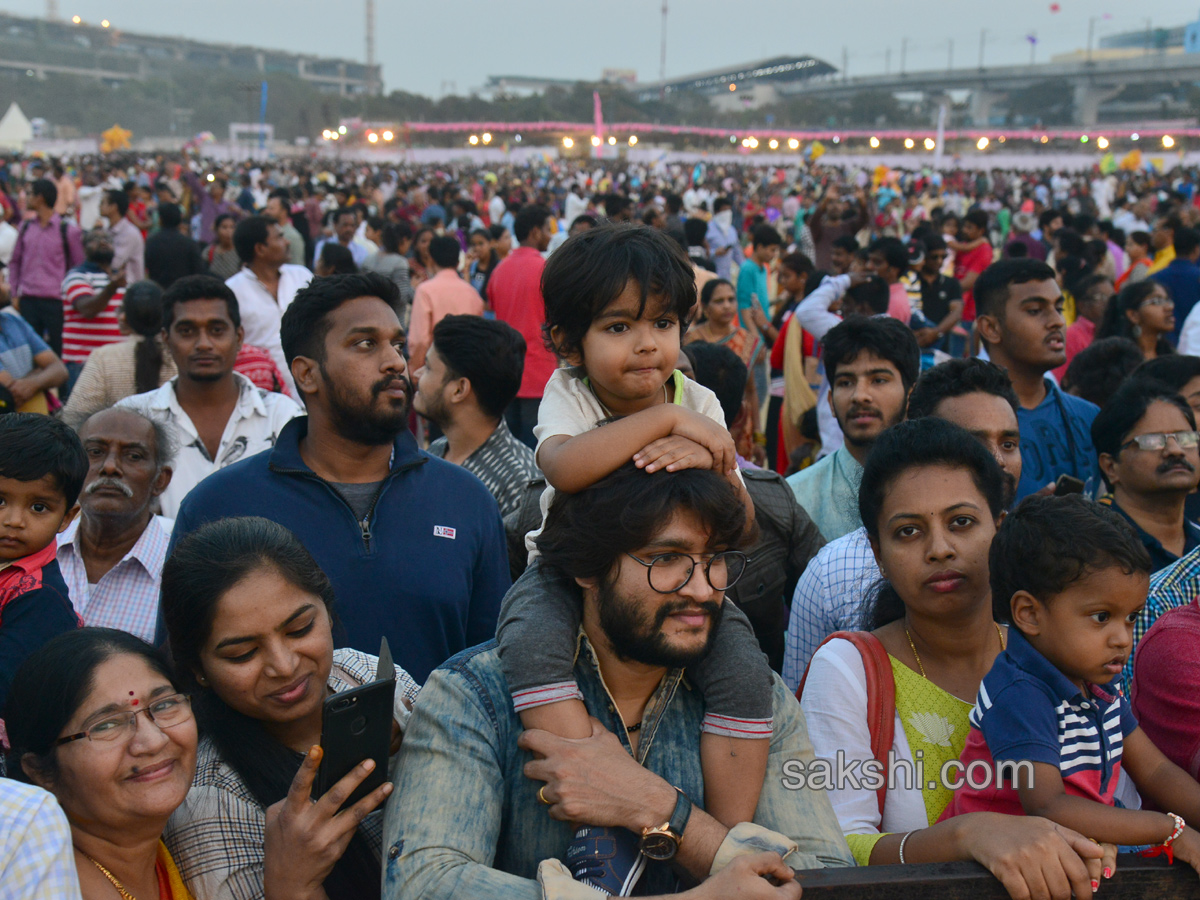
(41, 47)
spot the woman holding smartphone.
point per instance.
(249, 617)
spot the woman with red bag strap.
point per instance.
(931, 500)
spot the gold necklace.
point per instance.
(125, 895)
(917, 656)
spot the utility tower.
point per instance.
(372, 81)
(662, 55)
(52, 10)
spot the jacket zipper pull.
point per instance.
(366, 532)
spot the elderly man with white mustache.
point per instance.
(112, 555)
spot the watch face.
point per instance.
(659, 846)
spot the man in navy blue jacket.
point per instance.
(414, 546)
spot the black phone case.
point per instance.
(356, 725)
(1068, 485)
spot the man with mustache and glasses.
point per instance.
(1146, 441)
(112, 555)
(219, 415)
(871, 364)
(832, 593)
(414, 545)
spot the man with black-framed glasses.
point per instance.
(646, 555)
(1149, 454)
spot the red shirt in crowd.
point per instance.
(971, 261)
(1079, 336)
(1166, 686)
(514, 292)
(82, 334)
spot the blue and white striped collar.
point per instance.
(1025, 657)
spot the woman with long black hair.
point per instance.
(249, 617)
(1143, 312)
(134, 366)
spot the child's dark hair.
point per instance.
(1099, 369)
(1048, 543)
(591, 270)
(909, 445)
(33, 446)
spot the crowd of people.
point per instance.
(718, 523)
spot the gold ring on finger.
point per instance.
(542, 796)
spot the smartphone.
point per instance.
(356, 725)
(1067, 485)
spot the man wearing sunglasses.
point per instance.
(1146, 441)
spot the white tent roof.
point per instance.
(15, 129)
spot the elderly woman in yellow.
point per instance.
(931, 499)
(76, 725)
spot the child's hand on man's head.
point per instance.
(710, 435)
(673, 453)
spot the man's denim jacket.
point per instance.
(464, 820)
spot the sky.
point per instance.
(435, 48)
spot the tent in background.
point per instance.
(15, 129)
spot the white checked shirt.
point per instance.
(262, 313)
(36, 859)
(831, 596)
(253, 427)
(126, 597)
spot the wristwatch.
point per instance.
(661, 843)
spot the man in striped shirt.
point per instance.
(92, 297)
(470, 374)
(1051, 730)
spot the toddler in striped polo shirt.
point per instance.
(1051, 730)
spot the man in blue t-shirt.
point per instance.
(1019, 319)
(754, 306)
(752, 276)
(1181, 278)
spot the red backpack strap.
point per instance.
(881, 697)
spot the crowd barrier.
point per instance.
(1136, 878)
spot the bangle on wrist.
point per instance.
(903, 841)
(1165, 848)
(1177, 831)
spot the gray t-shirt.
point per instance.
(359, 496)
